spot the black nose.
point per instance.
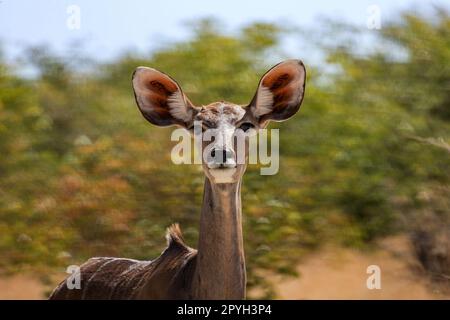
(220, 156)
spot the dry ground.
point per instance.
(337, 273)
(331, 273)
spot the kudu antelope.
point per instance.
(217, 269)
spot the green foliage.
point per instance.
(82, 174)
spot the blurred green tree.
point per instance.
(83, 174)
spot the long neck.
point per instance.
(220, 267)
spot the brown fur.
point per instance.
(217, 271)
(116, 278)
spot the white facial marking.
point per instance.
(223, 175)
(223, 140)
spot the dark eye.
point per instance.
(205, 127)
(246, 126)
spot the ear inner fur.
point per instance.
(280, 92)
(160, 98)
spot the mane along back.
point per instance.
(120, 278)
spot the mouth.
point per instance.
(221, 166)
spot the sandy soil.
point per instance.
(21, 287)
(337, 273)
(331, 273)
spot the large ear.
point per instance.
(280, 92)
(161, 99)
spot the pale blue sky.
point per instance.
(110, 27)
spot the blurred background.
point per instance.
(364, 166)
